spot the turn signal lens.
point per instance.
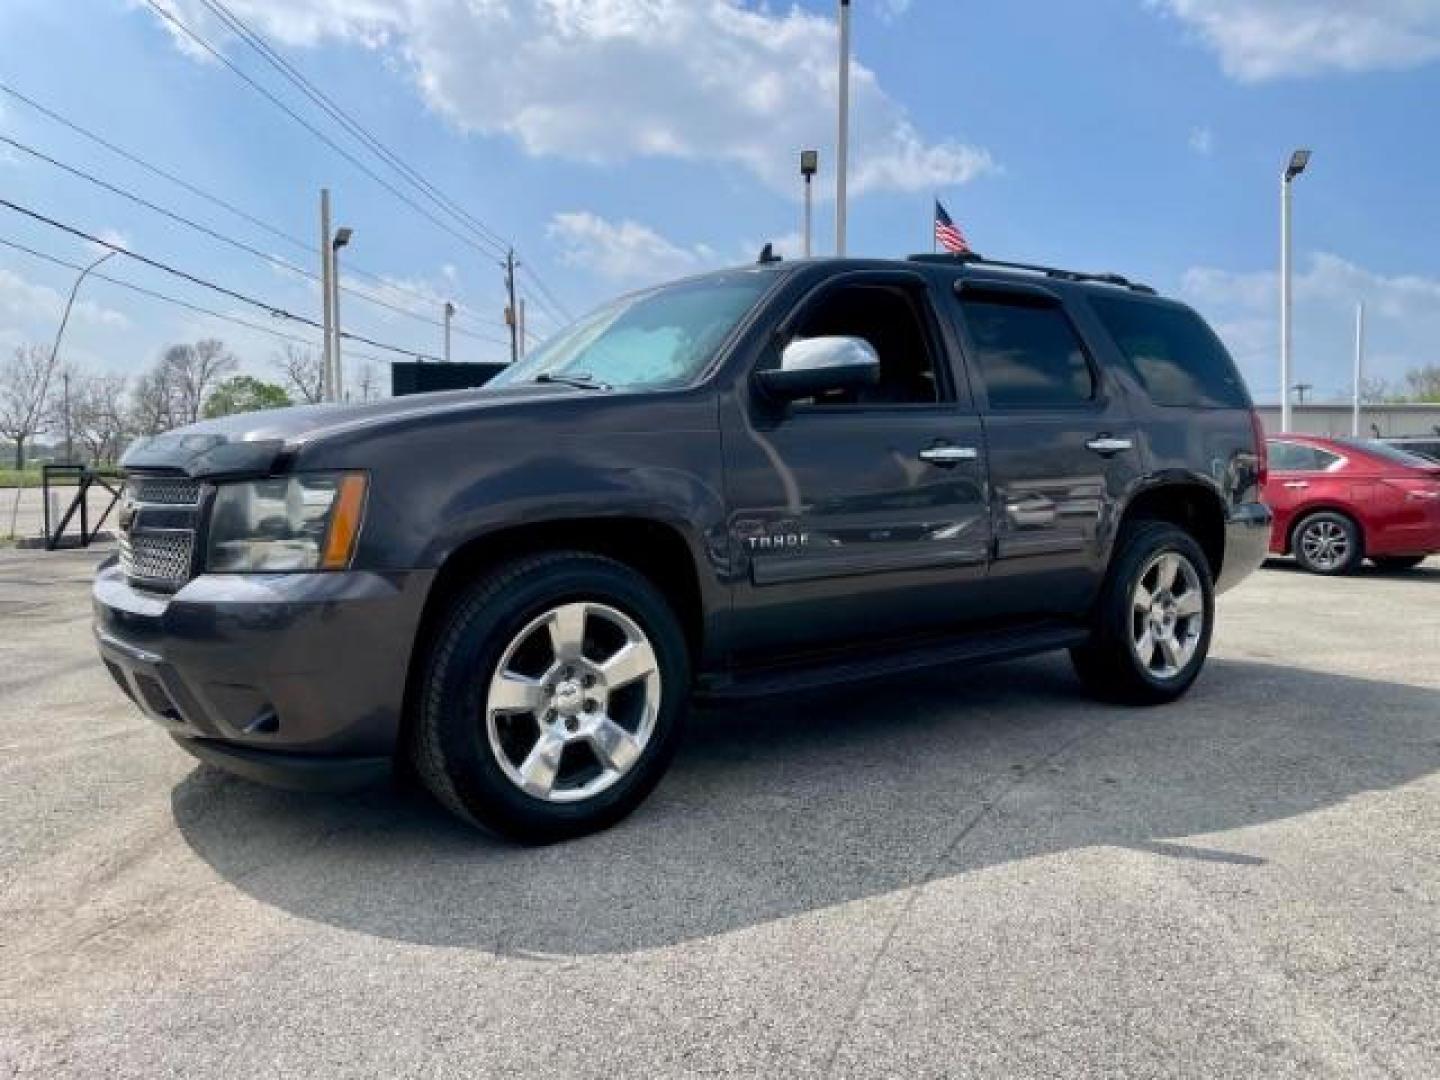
(345, 520)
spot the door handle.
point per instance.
(949, 455)
(1107, 444)
(1297, 483)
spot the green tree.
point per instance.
(244, 393)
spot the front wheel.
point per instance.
(553, 697)
(1153, 619)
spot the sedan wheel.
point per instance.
(1327, 543)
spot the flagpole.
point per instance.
(934, 245)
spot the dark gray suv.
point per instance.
(760, 480)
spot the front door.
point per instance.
(1062, 445)
(861, 515)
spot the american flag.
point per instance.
(947, 235)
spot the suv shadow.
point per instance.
(800, 804)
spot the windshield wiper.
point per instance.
(579, 379)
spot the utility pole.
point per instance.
(449, 314)
(1359, 369)
(842, 142)
(327, 371)
(1301, 389)
(511, 316)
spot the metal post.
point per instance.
(327, 378)
(338, 386)
(1359, 368)
(1285, 303)
(842, 141)
(449, 314)
(807, 217)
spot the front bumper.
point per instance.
(291, 679)
(1247, 543)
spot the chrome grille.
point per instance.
(158, 557)
(163, 490)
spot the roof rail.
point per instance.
(1048, 271)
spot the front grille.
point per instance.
(157, 529)
(157, 557)
(163, 490)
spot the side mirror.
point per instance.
(810, 366)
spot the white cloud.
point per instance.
(624, 251)
(1269, 39)
(611, 80)
(1202, 141)
(1402, 320)
(32, 305)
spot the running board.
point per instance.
(855, 667)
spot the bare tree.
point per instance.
(304, 373)
(193, 372)
(152, 405)
(98, 415)
(1423, 383)
(25, 395)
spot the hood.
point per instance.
(250, 444)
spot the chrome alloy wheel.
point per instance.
(1167, 615)
(573, 702)
(1325, 544)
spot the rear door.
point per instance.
(1061, 444)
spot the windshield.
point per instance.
(660, 338)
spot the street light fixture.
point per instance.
(1298, 160)
(809, 166)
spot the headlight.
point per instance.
(303, 522)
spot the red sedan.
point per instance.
(1337, 501)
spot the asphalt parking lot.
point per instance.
(981, 874)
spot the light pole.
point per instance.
(449, 314)
(809, 166)
(1298, 160)
(1359, 369)
(327, 337)
(842, 141)
(342, 237)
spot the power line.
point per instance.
(258, 88)
(209, 196)
(548, 297)
(327, 104)
(277, 312)
(175, 300)
(240, 245)
(355, 129)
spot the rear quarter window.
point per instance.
(1177, 358)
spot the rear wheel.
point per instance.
(553, 697)
(1152, 620)
(1397, 562)
(1327, 543)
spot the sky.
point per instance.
(616, 143)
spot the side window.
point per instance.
(1178, 359)
(1026, 352)
(1295, 457)
(893, 322)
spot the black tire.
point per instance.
(1334, 524)
(1109, 665)
(1393, 563)
(451, 747)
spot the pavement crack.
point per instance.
(985, 809)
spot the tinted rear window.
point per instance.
(1177, 357)
(1028, 354)
(1386, 452)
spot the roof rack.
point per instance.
(1048, 271)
